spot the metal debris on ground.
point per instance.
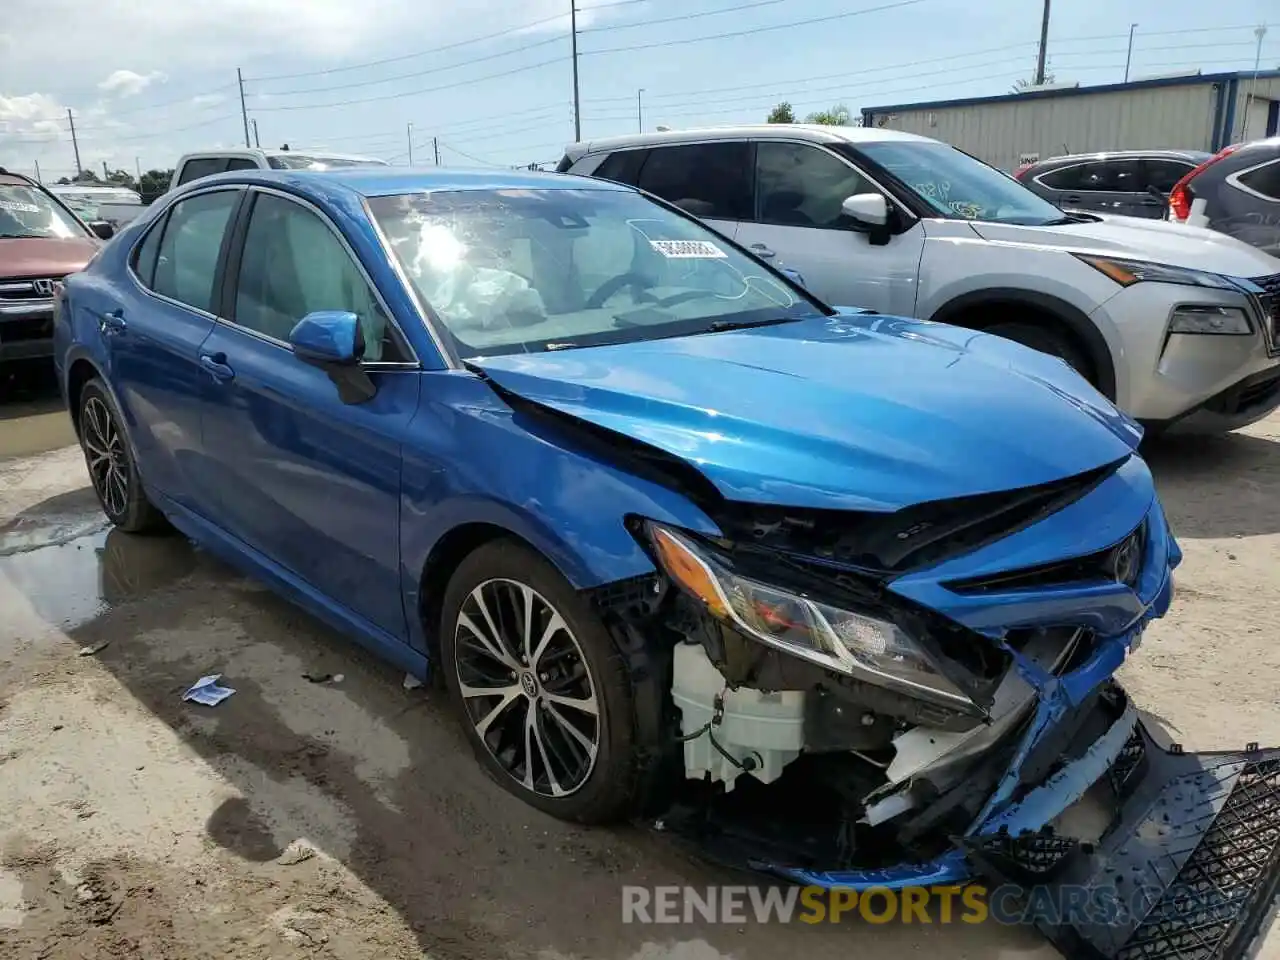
(208, 691)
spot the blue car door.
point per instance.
(152, 326)
(306, 480)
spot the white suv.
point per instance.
(1178, 326)
(206, 163)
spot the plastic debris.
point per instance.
(207, 691)
(411, 682)
(94, 650)
(297, 852)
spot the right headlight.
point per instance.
(1209, 319)
(846, 641)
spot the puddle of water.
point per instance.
(71, 581)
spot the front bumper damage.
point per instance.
(1186, 860)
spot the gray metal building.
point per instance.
(1192, 112)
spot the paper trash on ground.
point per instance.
(207, 691)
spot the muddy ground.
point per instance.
(346, 819)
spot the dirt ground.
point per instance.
(346, 819)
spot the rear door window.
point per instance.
(622, 167)
(199, 167)
(1264, 180)
(241, 163)
(1097, 176)
(1164, 174)
(710, 180)
(187, 261)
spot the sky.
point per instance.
(491, 81)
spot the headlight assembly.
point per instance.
(1209, 319)
(1128, 272)
(855, 644)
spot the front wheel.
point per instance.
(112, 470)
(539, 684)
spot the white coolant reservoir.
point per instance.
(762, 731)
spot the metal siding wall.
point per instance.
(1160, 117)
(1265, 88)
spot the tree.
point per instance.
(122, 178)
(837, 116)
(782, 113)
(154, 183)
(86, 176)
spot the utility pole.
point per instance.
(410, 134)
(1129, 56)
(39, 179)
(106, 174)
(577, 101)
(639, 111)
(75, 144)
(137, 166)
(256, 141)
(1044, 46)
(435, 146)
(244, 111)
(1260, 31)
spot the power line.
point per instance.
(414, 93)
(410, 56)
(754, 30)
(418, 73)
(684, 16)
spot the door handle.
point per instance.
(1074, 198)
(763, 252)
(216, 366)
(113, 323)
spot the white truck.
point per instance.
(205, 163)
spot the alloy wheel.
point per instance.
(104, 449)
(527, 688)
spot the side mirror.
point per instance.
(795, 276)
(333, 340)
(328, 337)
(870, 209)
(102, 229)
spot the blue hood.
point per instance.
(855, 412)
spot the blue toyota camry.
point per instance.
(836, 595)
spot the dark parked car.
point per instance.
(1236, 192)
(1130, 183)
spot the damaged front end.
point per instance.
(926, 698)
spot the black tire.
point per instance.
(1050, 340)
(109, 457)
(605, 790)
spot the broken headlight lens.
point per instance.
(848, 642)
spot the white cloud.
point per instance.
(207, 99)
(127, 83)
(36, 116)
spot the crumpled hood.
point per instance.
(1136, 238)
(22, 257)
(856, 412)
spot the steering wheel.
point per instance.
(637, 282)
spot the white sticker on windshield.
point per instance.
(688, 249)
(18, 206)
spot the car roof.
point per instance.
(389, 181)
(1123, 155)
(814, 132)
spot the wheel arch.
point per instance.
(965, 310)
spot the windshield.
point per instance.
(299, 161)
(27, 211)
(956, 185)
(515, 271)
(86, 204)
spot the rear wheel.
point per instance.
(109, 457)
(539, 685)
(1048, 340)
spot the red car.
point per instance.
(41, 241)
